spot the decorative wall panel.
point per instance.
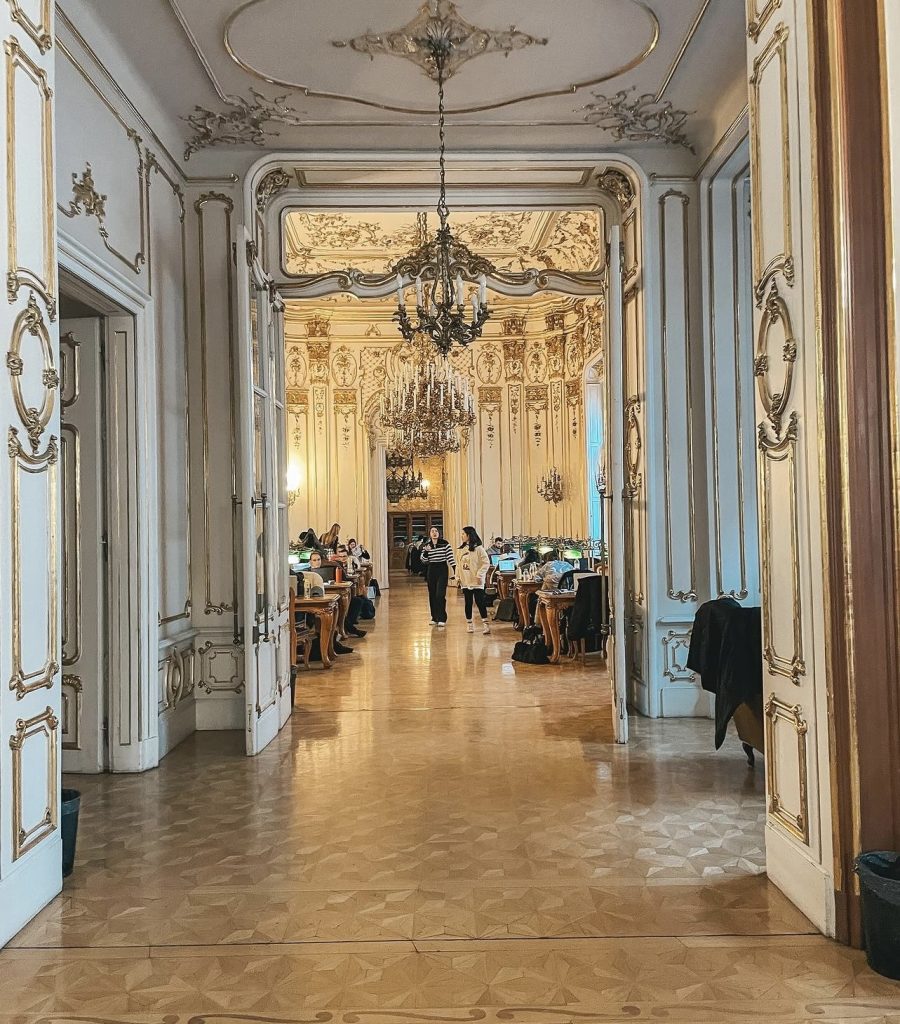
(35, 809)
(29, 153)
(34, 558)
(773, 247)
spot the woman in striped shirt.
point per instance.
(439, 560)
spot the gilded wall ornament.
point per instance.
(641, 119)
(85, 197)
(513, 326)
(514, 357)
(248, 123)
(618, 185)
(536, 365)
(344, 368)
(434, 19)
(273, 182)
(489, 365)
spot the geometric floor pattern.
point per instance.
(437, 835)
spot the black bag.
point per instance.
(368, 609)
(532, 651)
(506, 610)
(373, 583)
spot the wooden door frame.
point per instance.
(859, 477)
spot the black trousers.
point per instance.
(353, 612)
(478, 596)
(436, 577)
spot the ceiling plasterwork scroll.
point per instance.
(618, 185)
(638, 119)
(273, 182)
(437, 18)
(248, 122)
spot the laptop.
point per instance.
(507, 564)
(327, 572)
(495, 559)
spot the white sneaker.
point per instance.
(485, 627)
(441, 625)
(470, 627)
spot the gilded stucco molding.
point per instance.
(641, 118)
(35, 420)
(780, 452)
(210, 681)
(436, 18)
(758, 19)
(87, 201)
(24, 681)
(18, 276)
(618, 185)
(226, 203)
(179, 676)
(39, 30)
(676, 644)
(565, 89)
(780, 714)
(272, 183)
(248, 122)
(72, 707)
(781, 262)
(775, 403)
(26, 837)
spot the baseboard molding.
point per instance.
(213, 714)
(175, 725)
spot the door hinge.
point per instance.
(104, 544)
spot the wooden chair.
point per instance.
(302, 635)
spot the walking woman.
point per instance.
(473, 567)
(437, 557)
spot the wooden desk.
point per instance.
(522, 590)
(551, 604)
(343, 591)
(505, 580)
(325, 610)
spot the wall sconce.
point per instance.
(550, 487)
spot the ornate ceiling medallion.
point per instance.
(250, 10)
(641, 119)
(249, 122)
(440, 19)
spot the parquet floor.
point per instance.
(438, 835)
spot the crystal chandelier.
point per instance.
(440, 300)
(550, 487)
(427, 405)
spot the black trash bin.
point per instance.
(71, 802)
(879, 883)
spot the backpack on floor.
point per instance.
(506, 610)
(532, 651)
(368, 609)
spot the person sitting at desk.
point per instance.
(330, 540)
(551, 570)
(359, 552)
(309, 539)
(356, 605)
(496, 547)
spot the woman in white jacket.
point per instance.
(473, 566)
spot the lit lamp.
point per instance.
(292, 491)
